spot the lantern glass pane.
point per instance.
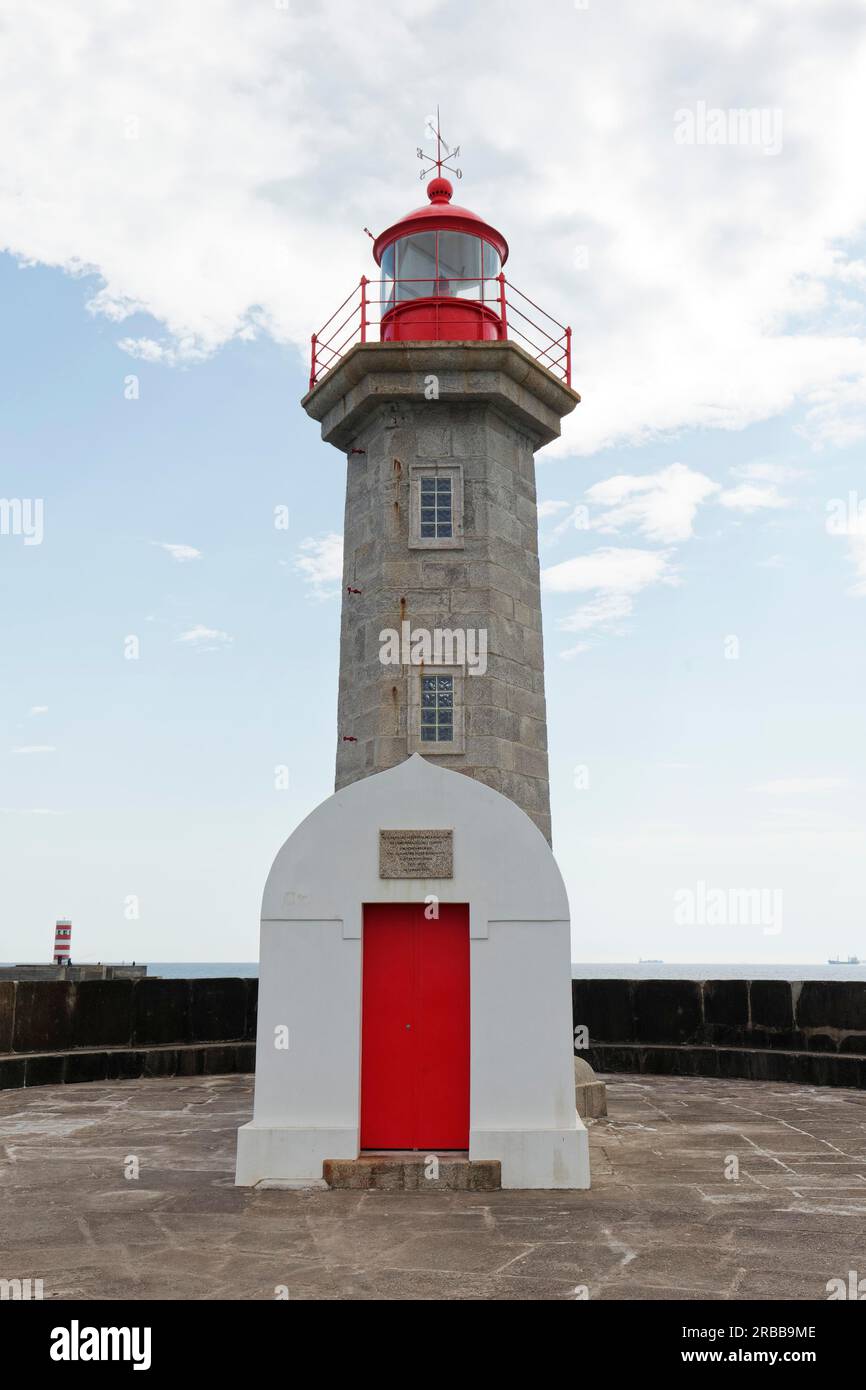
(459, 265)
(416, 265)
(492, 267)
(387, 268)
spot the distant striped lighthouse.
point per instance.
(62, 941)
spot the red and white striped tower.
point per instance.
(62, 941)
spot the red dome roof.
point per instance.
(440, 215)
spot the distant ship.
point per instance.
(847, 960)
(650, 961)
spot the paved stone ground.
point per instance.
(661, 1220)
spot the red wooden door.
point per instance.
(415, 1028)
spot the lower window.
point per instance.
(435, 709)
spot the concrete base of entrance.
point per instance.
(286, 1155)
(541, 1158)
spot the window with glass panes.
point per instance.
(437, 709)
(436, 496)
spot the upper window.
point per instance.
(437, 508)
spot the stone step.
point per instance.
(413, 1172)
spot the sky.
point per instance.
(183, 193)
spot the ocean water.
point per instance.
(630, 970)
(201, 970)
(675, 970)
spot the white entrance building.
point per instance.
(521, 1079)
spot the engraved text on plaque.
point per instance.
(416, 853)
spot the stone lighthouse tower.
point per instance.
(439, 419)
(415, 977)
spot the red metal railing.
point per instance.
(359, 320)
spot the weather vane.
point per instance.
(439, 163)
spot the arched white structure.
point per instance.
(307, 1096)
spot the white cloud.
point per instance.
(750, 497)
(662, 506)
(603, 612)
(202, 162)
(577, 519)
(612, 569)
(548, 509)
(800, 786)
(837, 411)
(185, 349)
(615, 576)
(178, 552)
(767, 471)
(320, 561)
(35, 748)
(208, 639)
(37, 709)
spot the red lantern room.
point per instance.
(441, 280)
(440, 274)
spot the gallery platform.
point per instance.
(662, 1220)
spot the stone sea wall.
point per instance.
(98, 1030)
(811, 1032)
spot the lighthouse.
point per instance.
(62, 941)
(415, 979)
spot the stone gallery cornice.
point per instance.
(524, 392)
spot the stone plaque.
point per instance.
(416, 853)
